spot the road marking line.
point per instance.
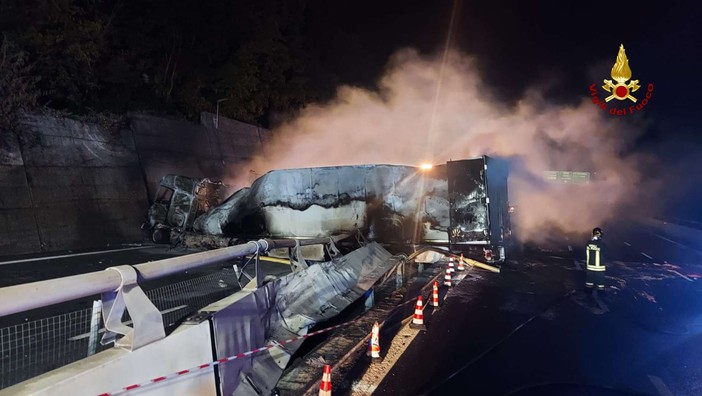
(627, 244)
(73, 255)
(344, 360)
(647, 255)
(271, 259)
(681, 275)
(363, 387)
(379, 370)
(669, 240)
(660, 386)
(676, 243)
(577, 265)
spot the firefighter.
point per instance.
(595, 274)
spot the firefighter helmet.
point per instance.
(597, 231)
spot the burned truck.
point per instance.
(179, 200)
(479, 214)
(461, 205)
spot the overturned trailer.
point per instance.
(461, 204)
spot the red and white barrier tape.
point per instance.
(221, 361)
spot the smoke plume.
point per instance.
(436, 109)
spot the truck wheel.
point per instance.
(161, 236)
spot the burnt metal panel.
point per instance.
(242, 327)
(286, 308)
(497, 175)
(469, 220)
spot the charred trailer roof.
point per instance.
(478, 202)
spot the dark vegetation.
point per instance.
(262, 60)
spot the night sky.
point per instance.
(561, 47)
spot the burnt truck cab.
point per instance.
(179, 200)
(479, 210)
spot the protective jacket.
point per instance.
(593, 253)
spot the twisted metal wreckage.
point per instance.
(462, 205)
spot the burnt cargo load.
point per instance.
(462, 204)
(479, 219)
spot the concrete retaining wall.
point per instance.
(75, 186)
(68, 185)
(18, 231)
(172, 146)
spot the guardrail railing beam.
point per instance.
(24, 297)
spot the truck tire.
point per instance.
(161, 235)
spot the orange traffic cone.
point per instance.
(435, 295)
(418, 319)
(374, 346)
(461, 267)
(447, 278)
(325, 385)
(450, 265)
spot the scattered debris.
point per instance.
(621, 282)
(681, 275)
(671, 266)
(645, 278)
(647, 296)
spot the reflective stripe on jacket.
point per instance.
(594, 256)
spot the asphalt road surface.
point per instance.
(14, 271)
(532, 330)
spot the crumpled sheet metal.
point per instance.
(429, 256)
(242, 327)
(286, 308)
(324, 290)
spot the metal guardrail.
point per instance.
(35, 347)
(24, 297)
(32, 348)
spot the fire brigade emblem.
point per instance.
(621, 73)
(621, 87)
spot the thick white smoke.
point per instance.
(406, 122)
